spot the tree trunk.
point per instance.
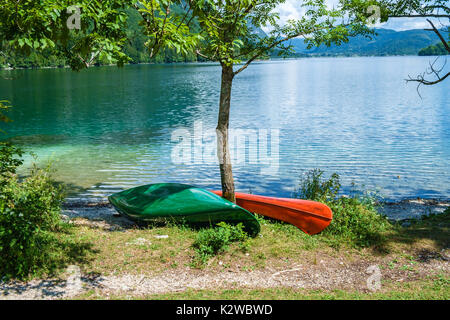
(223, 152)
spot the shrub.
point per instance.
(29, 213)
(356, 220)
(212, 241)
(314, 187)
(10, 159)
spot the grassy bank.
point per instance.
(413, 263)
(123, 261)
(143, 251)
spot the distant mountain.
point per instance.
(386, 42)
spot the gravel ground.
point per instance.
(402, 210)
(326, 276)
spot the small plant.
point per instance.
(441, 282)
(356, 222)
(212, 241)
(314, 187)
(29, 215)
(10, 160)
(355, 219)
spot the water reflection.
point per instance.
(107, 129)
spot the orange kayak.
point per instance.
(309, 216)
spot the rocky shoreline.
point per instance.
(403, 210)
(413, 208)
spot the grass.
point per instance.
(211, 241)
(278, 245)
(134, 250)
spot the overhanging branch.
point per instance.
(446, 46)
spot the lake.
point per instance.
(106, 129)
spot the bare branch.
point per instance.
(262, 50)
(421, 78)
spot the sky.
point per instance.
(292, 9)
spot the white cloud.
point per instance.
(401, 24)
(292, 9)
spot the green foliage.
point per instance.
(42, 25)
(314, 187)
(34, 34)
(4, 106)
(434, 50)
(137, 47)
(212, 241)
(111, 32)
(165, 26)
(356, 221)
(10, 159)
(29, 214)
(230, 29)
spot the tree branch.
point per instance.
(261, 51)
(203, 56)
(421, 80)
(432, 70)
(445, 43)
(425, 15)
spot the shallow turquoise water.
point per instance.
(106, 129)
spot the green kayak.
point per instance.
(169, 201)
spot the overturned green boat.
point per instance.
(182, 203)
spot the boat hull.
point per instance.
(181, 203)
(310, 216)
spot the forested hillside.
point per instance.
(434, 50)
(385, 43)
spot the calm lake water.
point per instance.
(106, 129)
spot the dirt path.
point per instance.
(327, 276)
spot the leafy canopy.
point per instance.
(230, 28)
(27, 25)
(36, 25)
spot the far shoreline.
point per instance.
(403, 211)
(214, 63)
